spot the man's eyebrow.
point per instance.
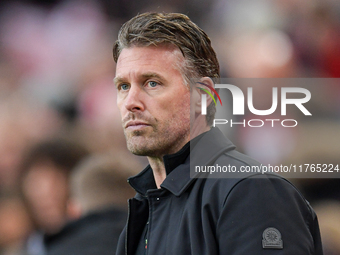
(152, 75)
(118, 79)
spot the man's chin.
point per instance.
(140, 151)
(140, 148)
(137, 145)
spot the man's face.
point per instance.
(46, 190)
(153, 100)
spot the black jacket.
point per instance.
(96, 233)
(215, 216)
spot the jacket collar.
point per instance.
(203, 150)
(145, 181)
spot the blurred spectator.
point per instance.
(316, 35)
(22, 123)
(15, 225)
(328, 213)
(98, 204)
(315, 147)
(44, 179)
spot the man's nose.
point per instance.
(134, 100)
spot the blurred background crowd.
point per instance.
(60, 128)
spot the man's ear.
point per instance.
(204, 85)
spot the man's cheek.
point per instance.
(120, 109)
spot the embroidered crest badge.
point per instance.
(272, 239)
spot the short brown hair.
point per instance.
(177, 29)
(100, 181)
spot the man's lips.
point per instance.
(136, 124)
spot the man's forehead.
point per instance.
(149, 61)
(149, 51)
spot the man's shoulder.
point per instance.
(252, 189)
(239, 174)
(233, 157)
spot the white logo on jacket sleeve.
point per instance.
(272, 239)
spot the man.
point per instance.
(44, 184)
(161, 61)
(96, 208)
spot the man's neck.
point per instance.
(157, 163)
(158, 168)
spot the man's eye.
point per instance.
(124, 87)
(152, 84)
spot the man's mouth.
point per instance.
(135, 125)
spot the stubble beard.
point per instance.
(139, 143)
(159, 141)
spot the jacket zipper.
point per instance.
(146, 238)
(127, 227)
(148, 227)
